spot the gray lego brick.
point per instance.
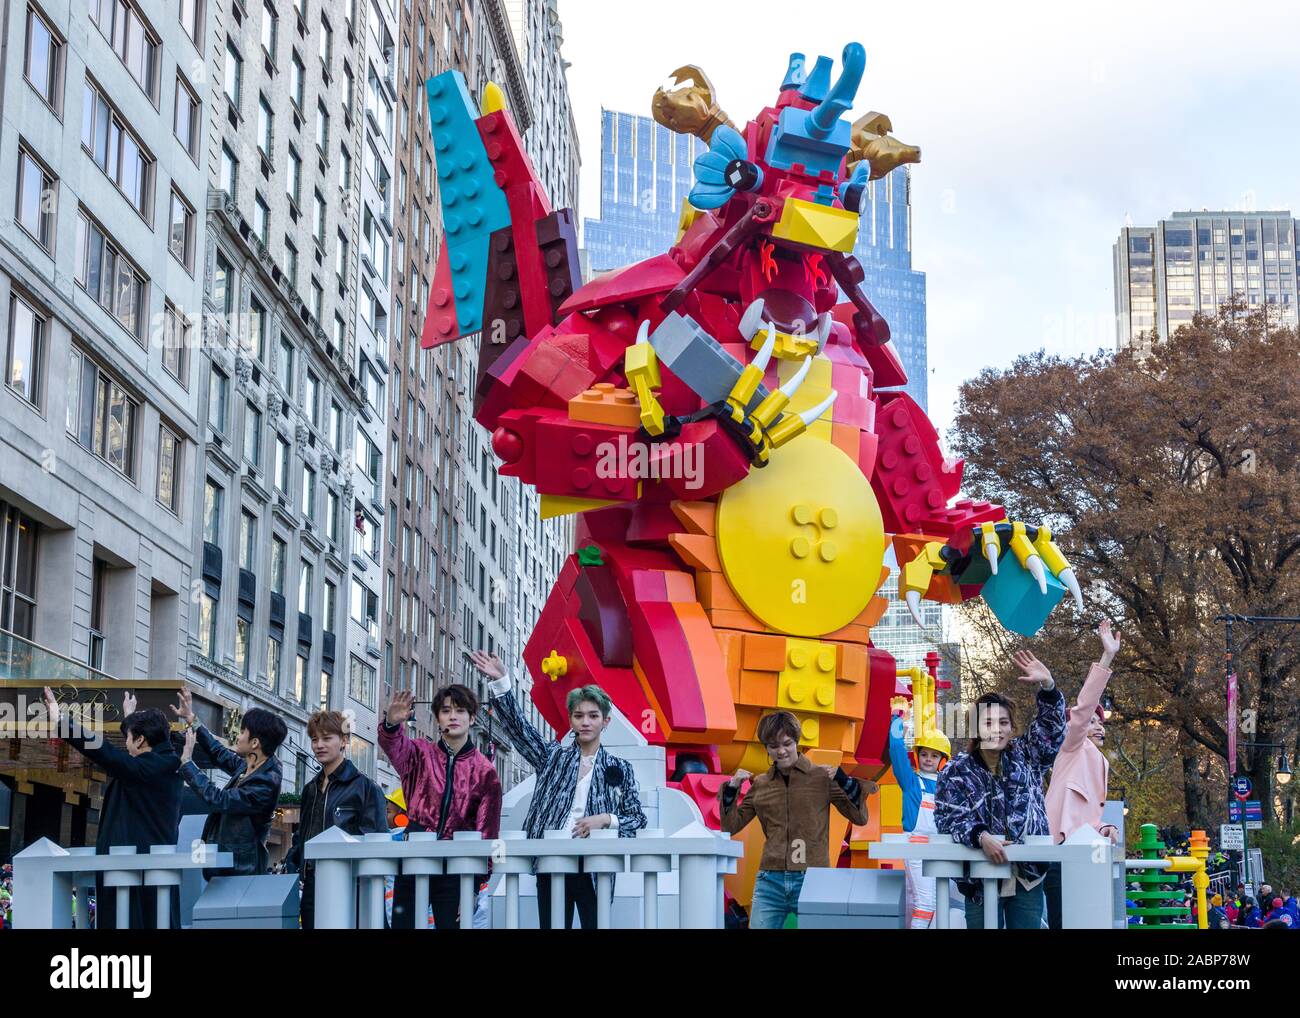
(826, 891)
(878, 893)
(221, 898)
(699, 360)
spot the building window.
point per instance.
(336, 426)
(345, 168)
(309, 492)
(293, 186)
(361, 684)
(273, 662)
(305, 582)
(25, 356)
(110, 278)
(253, 435)
(107, 421)
(300, 680)
(291, 262)
(322, 128)
(278, 551)
(180, 233)
(218, 390)
(296, 78)
(286, 365)
(213, 496)
(326, 45)
(332, 515)
(169, 469)
(329, 611)
(176, 340)
(241, 648)
(187, 118)
(234, 78)
(265, 125)
(132, 39)
(207, 625)
(282, 460)
(341, 258)
(312, 398)
(247, 540)
(318, 219)
(192, 21)
(110, 142)
(37, 199)
(43, 61)
(325, 689)
(255, 337)
(270, 29)
(365, 607)
(362, 753)
(17, 572)
(261, 218)
(229, 171)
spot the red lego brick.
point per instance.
(440, 321)
(569, 456)
(703, 789)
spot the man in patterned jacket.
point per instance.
(580, 787)
(992, 795)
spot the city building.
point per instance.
(467, 562)
(102, 239)
(1194, 261)
(645, 175)
(294, 368)
(884, 249)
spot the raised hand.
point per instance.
(739, 778)
(489, 664)
(400, 707)
(1110, 640)
(128, 703)
(1035, 670)
(190, 739)
(184, 707)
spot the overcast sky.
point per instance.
(1042, 131)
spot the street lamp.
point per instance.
(1283, 770)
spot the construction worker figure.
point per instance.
(917, 785)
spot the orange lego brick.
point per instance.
(747, 722)
(852, 633)
(853, 663)
(697, 551)
(605, 403)
(679, 586)
(696, 517)
(757, 688)
(732, 646)
(723, 619)
(714, 591)
(845, 438)
(710, 674)
(765, 653)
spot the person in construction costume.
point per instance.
(917, 785)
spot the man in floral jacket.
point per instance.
(580, 786)
(992, 795)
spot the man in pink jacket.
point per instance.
(1076, 793)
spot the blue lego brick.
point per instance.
(1014, 598)
(473, 205)
(792, 142)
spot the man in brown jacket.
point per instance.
(791, 801)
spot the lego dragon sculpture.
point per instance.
(726, 420)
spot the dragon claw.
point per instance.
(914, 606)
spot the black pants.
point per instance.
(404, 903)
(579, 891)
(444, 899)
(1052, 891)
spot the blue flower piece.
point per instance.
(712, 188)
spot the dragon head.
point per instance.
(781, 198)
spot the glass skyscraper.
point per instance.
(1194, 261)
(897, 290)
(645, 174)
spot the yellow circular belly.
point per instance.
(801, 540)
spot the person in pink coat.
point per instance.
(1076, 792)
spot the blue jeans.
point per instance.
(776, 895)
(1023, 911)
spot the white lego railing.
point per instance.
(45, 876)
(351, 870)
(1089, 869)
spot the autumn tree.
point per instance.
(1169, 477)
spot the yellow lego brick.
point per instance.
(807, 682)
(563, 505)
(891, 805)
(806, 222)
(824, 757)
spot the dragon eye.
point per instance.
(742, 175)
